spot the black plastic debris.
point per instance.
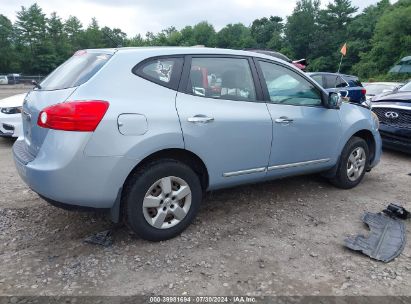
(102, 238)
(397, 211)
(385, 241)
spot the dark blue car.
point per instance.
(349, 86)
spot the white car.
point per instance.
(4, 79)
(10, 115)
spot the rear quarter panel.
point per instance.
(131, 94)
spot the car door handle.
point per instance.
(284, 120)
(200, 119)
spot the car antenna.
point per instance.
(112, 40)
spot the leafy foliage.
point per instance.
(377, 37)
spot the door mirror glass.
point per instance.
(334, 100)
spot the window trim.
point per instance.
(186, 74)
(175, 75)
(267, 98)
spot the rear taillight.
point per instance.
(83, 116)
(363, 91)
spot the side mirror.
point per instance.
(335, 100)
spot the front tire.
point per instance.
(161, 199)
(353, 164)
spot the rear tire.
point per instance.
(353, 164)
(161, 199)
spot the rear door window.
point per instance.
(75, 71)
(330, 81)
(222, 78)
(319, 79)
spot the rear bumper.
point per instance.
(396, 138)
(67, 177)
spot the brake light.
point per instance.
(363, 91)
(83, 116)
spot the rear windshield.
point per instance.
(75, 71)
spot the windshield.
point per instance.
(406, 87)
(75, 71)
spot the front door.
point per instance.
(222, 119)
(306, 135)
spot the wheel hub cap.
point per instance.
(167, 202)
(356, 164)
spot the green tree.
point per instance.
(187, 36)
(113, 38)
(391, 41)
(267, 32)
(75, 34)
(332, 34)
(35, 53)
(360, 32)
(6, 45)
(235, 36)
(301, 28)
(204, 34)
(93, 36)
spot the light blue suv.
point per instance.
(144, 132)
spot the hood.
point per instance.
(13, 101)
(396, 96)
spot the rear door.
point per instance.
(223, 118)
(306, 135)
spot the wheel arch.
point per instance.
(369, 139)
(185, 156)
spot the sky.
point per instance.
(140, 16)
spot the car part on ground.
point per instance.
(102, 238)
(182, 121)
(10, 116)
(397, 211)
(386, 239)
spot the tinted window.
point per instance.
(340, 83)
(319, 79)
(330, 81)
(287, 87)
(223, 78)
(75, 71)
(165, 71)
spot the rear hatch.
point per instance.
(57, 88)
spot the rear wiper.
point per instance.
(36, 84)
